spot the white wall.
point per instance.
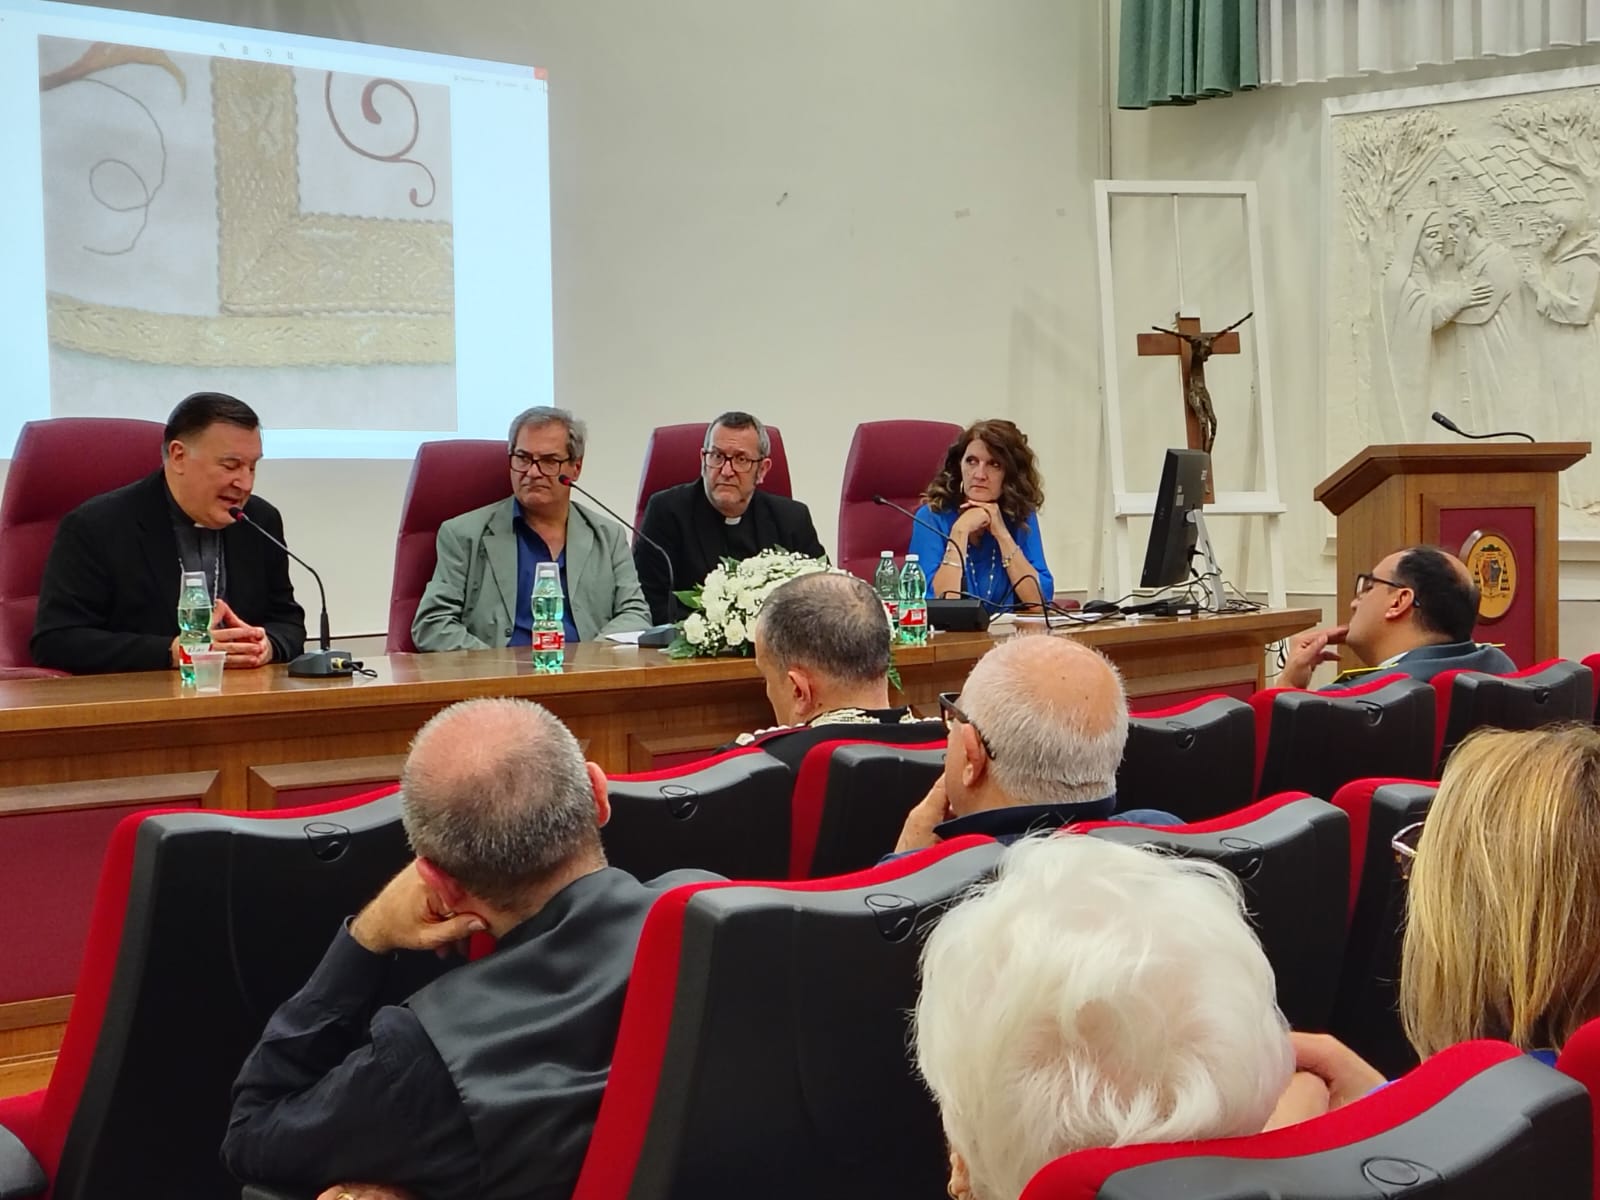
(1274, 136)
(825, 213)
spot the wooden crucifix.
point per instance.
(1193, 348)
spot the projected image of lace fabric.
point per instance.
(249, 226)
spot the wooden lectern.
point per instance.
(1497, 500)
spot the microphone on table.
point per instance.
(1440, 419)
(313, 664)
(658, 636)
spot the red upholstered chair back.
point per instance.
(1549, 692)
(177, 959)
(851, 796)
(1196, 760)
(57, 465)
(1474, 1122)
(762, 1048)
(1580, 1058)
(672, 456)
(1291, 854)
(1319, 741)
(447, 479)
(896, 460)
(728, 814)
(1366, 1015)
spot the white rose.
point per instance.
(716, 608)
(734, 631)
(695, 629)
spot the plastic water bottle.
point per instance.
(194, 622)
(886, 582)
(913, 603)
(549, 619)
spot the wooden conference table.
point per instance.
(76, 754)
(62, 741)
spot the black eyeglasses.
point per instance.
(1366, 580)
(716, 459)
(952, 713)
(546, 464)
(1404, 845)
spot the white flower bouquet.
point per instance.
(723, 609)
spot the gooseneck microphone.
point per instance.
(656, 635)
(1440, 419)
(313, 664)
(929, 525)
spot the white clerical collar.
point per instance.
(733, 520)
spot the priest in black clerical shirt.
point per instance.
(720, 515)
(108, 600)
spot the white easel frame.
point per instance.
(1265, 502)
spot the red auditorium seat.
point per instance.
(1580, 1058)
(762, 1049)
(1319, 741)
(852, 795)
(1478, 1121)
(728, 814)
(1196, 760)
(1554, 690)
(672, 456)
(203, 922)
(1291, 854)
(1592, 661)
(448, 478)
(47, 480)
(1365, 1013)
(896, 460)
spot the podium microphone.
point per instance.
(916, 520)
(1440, 419)
(658, 636)
(313, 664)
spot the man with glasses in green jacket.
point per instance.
(481, 591)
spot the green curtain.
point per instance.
(1180, 51)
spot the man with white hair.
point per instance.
(486, 1082)
(1035, 739)
(1097, 994)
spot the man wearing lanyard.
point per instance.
(108, 600)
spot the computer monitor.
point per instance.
(1173, 535)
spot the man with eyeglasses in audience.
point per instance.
(482, 588)
(1412, 614)
(720, 515)
(1035, 739)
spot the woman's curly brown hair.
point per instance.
(1022, 493)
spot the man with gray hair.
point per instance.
(719, 515)
(822, 647)
(481, 593)
(1036, 737)
(486, 1082)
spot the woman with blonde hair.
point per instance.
(985, 502)
(1502, 936)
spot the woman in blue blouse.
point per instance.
(986, 499)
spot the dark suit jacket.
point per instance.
(691, 531)
(1427, 661)
(109, 597)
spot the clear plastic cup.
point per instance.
(208, 669)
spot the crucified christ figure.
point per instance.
(1197, 396)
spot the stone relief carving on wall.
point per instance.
(1463, 274)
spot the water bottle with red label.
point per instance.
(549, 619)
(913, 603)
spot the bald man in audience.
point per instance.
(822, 647)
(1412, 614)
(1035, 739)
(485, 1083)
